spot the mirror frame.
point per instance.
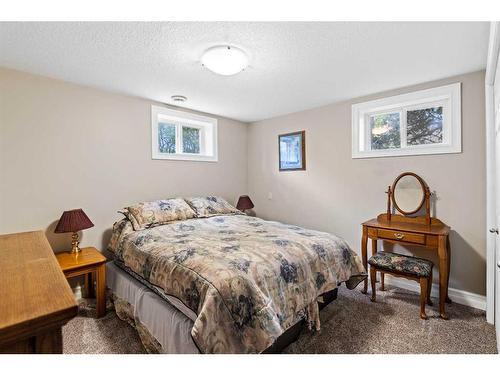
(393, 188)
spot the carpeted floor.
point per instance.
(108, 335)
(351, 324)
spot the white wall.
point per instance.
(337, 193)
(65, 146)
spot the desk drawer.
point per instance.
(402, 236)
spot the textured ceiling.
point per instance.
(293, 66)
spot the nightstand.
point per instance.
(90, 263)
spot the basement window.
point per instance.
(178, 135)
(417, 123)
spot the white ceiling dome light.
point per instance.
(225, 60)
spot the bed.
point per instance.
(219, 281)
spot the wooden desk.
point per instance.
(91, 263)
(412, 231)
(35, 298)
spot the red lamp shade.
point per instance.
(244, 203)
(73, 221)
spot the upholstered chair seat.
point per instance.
(401, 263)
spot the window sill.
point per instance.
(436, 150)
(212, 159)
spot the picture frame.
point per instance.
(292, 151)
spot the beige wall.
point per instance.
(337, 193)
(66, 146)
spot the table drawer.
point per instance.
(402, 236)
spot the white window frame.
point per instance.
(208, 134)
(448, 97)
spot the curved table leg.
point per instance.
(443, 275)
(364, 244)
(448, 248)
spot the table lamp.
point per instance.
(244, 203)
(73, 221)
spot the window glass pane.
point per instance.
(384, 130)
(166, 138)
(190, 140)
(424, 126)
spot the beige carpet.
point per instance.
(351, 324)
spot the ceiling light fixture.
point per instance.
(225, 60)
(178, 98)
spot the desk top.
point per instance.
(34, 293)
(89, 256)
(416, 225)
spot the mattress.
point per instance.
(174, 301)
(161, 317)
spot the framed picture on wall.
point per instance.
(292, 151)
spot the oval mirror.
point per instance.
(408, 193)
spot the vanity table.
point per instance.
(408, 195)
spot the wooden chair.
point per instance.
(398, 265)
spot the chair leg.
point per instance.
(373, 279)
(429, 287)
(423, 296)
(382, 281)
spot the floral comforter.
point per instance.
(247, 279)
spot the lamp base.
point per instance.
(75, 249)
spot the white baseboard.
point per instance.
(456, 295)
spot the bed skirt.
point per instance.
(161, 327)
